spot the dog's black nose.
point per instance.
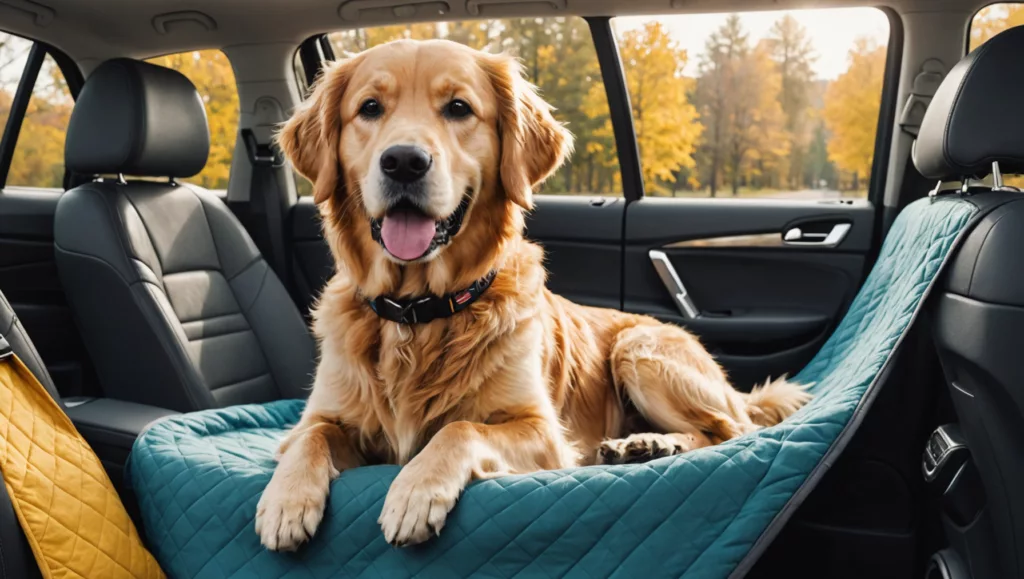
(405, 163)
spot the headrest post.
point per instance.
(997, 177)
(121, 180)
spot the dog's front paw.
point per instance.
(289, 514)
(642, 447)
(416, 508)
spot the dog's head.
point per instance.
(416, 148)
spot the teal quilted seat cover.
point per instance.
(707, 513)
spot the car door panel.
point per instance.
(28, 278)
(765, 307)
(582, 239)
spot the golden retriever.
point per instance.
(424, 156)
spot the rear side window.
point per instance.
(38, 159)
(559, 57)
(992, 20)
(770, 105)
(39, 153)
(214, 78)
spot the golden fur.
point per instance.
(523, 380)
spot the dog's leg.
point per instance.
(676, 384)
(292, 505)
(428, 487)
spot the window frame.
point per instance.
(970, 22)
(23, 94)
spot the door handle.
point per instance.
(673, 284)
(835, 236)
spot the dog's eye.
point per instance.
(457, 109)
(371, 109)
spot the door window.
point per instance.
(771, 105)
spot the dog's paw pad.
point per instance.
(638, 448)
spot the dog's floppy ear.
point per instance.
(533, 143)
(309, 139)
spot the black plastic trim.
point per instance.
(19, 105)
(619, 106)
(886, 126)
(312, 59)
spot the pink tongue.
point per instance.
(406, 234)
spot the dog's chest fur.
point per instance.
(416, 379)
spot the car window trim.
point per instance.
(620, 108)
(886, 126)
(19, 106)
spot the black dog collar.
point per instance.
(429, 308)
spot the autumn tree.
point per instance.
(994, 19)
(794, 56)
(666, 123)
(716, 75)
(758, 141)
(558, 56)
(39, 153)
(211, 73)
(852, 104)
(738, 93)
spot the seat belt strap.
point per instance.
(66, 505)
(925, 84)
(265, 210)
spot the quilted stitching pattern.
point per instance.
(65, 502)
(199, 476)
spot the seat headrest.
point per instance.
(976, 117)
(140, 119)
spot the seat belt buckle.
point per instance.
(6, 351)
(259, 154)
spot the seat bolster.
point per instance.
(282, 332)
(99, 220)
(235, 249)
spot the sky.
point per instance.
(832, 32)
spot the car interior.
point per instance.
(134, 292)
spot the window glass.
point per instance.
(769, 104)
(558, 56)
(39, 152)
(211, 72)
(992, 20)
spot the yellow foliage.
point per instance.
(852, 103)
(994, 19)
(39, 154)
(214, 78)
(667, 129)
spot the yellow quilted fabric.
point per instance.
(66, 504)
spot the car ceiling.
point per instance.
(93, 30)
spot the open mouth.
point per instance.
(409, 234)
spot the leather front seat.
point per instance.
(177, 307)
(974, 120)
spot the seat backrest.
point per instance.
(975, 120)
(177, 306)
